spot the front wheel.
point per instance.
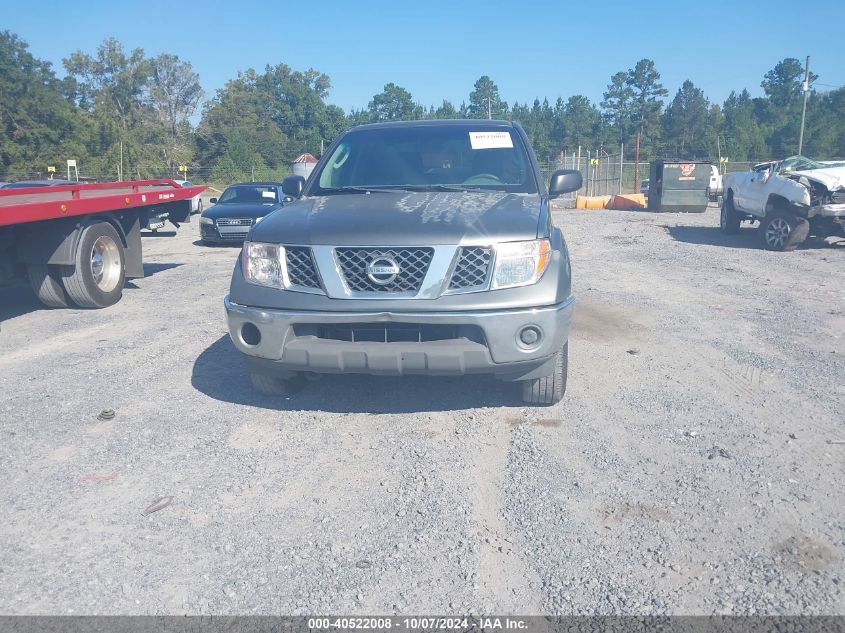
(95, 279)
(548, 390)
(270, 385)
(729, 218)
(781, 231)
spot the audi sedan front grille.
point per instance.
(301, 269)
(234, 222)
(411, 265)
(472, 268)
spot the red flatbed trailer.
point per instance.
(77, 244)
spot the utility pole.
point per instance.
(806, 88)
(637, 160)
(719, 151)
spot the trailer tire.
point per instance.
(95, 279)
(548, 390)
(46, 283)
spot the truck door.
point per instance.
(752, 196)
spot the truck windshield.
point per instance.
(249, 193)
(424, 158)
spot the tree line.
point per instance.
(123, 114)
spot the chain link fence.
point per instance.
(604, 174)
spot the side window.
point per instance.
(336, 171)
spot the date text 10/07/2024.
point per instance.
(418, 623)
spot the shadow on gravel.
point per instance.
(713, 236)
(220, 372)
(215, 245)
(746, 238)
(17, 300)
(152, 269)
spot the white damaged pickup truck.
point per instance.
(792, 199)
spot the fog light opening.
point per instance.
(530, 336)
(250, 334)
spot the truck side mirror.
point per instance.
(565, 181)
(293, 186)
(212, 200)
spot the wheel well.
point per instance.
(55, 241)
(779, 203)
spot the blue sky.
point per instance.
(438, 49)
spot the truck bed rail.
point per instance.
(35, 204)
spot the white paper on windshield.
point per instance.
(268, 194)
(490, 140)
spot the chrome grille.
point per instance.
(234, 222)
(472, 268)
(412, 262)
(301, 268)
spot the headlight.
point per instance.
(520, 263)
(262, 264)
(259, 218)
(205, 220)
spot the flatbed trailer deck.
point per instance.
(77, 244)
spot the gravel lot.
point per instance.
(695, 465)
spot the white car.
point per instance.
(715, 184)
(791, 199)
(196, 201)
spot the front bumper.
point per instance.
(497, 351)
(828, 211)
(210, 233)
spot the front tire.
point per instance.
(270, 385)
(548, 390)
(781, 231)
(95, 279)
(729, 218)
(46, 283)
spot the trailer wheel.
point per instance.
(46, 283)
(781, 231)
(95, 280)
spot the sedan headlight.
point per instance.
(520, 263)
(205, 220)
(262, 264)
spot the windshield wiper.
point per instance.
(458, 188)
(357, 189)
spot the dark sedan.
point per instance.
(230, 218)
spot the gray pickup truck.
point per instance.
(422, 247)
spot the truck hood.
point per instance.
(831, 177)
(404, 218)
